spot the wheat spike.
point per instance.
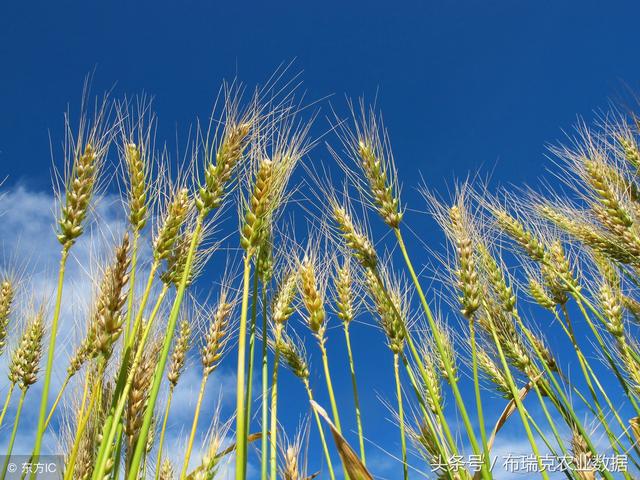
(218, 174)
(25, 360)
(138, 189)
(312, 296)
(111, 298)
(79, 190)
(179, 353)
(166, 470)
(255, 217)
(358, 242)
(6, 301)
(344, 292)
(174, 218)
(217, 336)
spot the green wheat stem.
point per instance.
(71, 463)
(416, 357)
(163, 430)
(265, 388)
(403, 440)
(562, 404)
(194, 426)
(132, 282)
(241, 427)
(441, 442)
(252, 347)
(590, 375)
(607, 354)
(440, 347)
(332, 397)
(516, 398)
(476, 386)
(164, 354)
(549, 418)
(323, 439)
(112, 421)
(53, 332)
(327, 376)
(274, 411)
(354, 385)
(56, 401)
(7, 402)
(115, 473)
(12, 439)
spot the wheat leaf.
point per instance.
(352, 464)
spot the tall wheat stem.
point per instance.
(476, 386)
(562, 404)
(132, 283)
(164, 354)
(439, 345)
(53, 331)
(327, 376)
(143, 303)
(56, 401)
(252, 347)
(403, 441)
(549, 418)
(589, 376)
(416, 357)
(163, 429)
(354, 385)
(12, 439)
(124, 380)
(194, 426)
(6, 402)
(112, 423)
(273, 451)
(323, 440)
(440, 440)
(265, 387)
(607, 354)
(516, 398)
(71, 463)
(241, 427)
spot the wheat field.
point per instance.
(525, 320)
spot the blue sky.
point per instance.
(464, 85)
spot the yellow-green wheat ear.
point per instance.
(218, 172)
(6, 301)
(178, 356)
(380, 186)
(255, 217)
(168, 234)
(312, 296)
(138, 189)
(25, 361)
(111, 299)
(79, 191)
